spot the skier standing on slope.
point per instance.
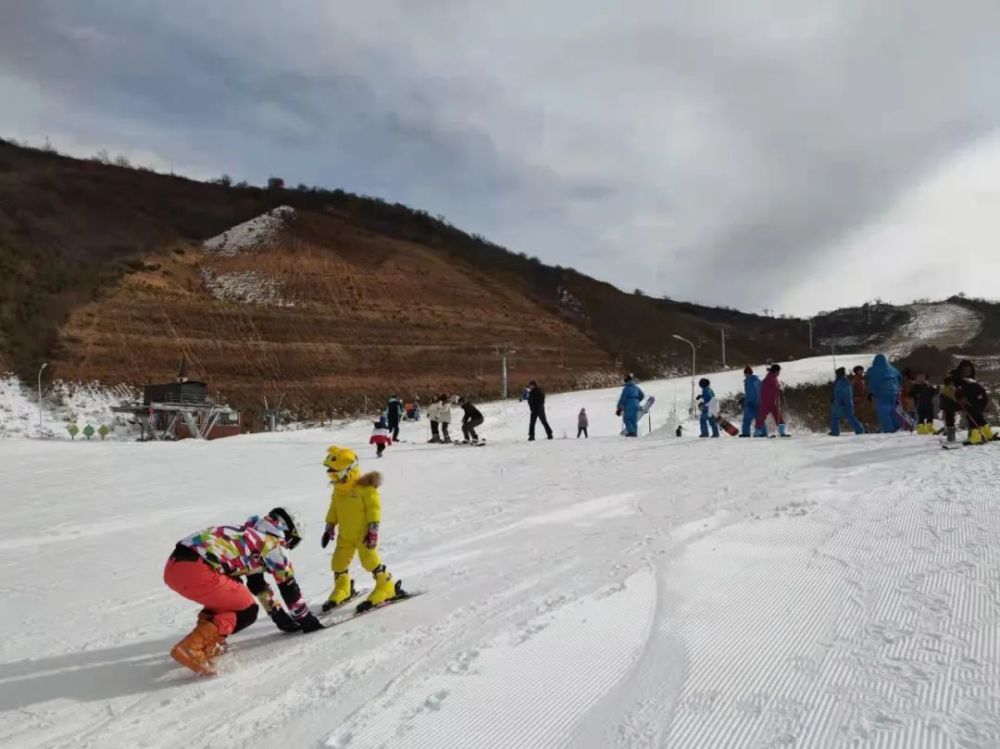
(353, 522)
(536, 405)
(709, 408)
(751, 400)
(444, 416)
(859, 391)
(432, 416)
(471, 418)
(884, 382)
(394, 414)
(843, 404)
(770, 402)
(629, 404)
(972, 399)
(922, 394)
(205, 568)
(582, 424)
(949, 406)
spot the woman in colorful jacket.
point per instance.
(205, 568)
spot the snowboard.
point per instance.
(904, 419)
(727, 426)
(643, 410)
(331, 618)
(481, 443)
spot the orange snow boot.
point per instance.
(197, 649)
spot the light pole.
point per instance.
(693, 368)
(40, 370)
(810, 334)
(723, 330)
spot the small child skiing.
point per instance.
(972, 399)
(709, 409)
(381, 436)
(948, 401)
(922, 394)
(356, 507)
(582, 423)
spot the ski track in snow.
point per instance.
(814, 592)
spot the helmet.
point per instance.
(704, 382)
(341, 464)
(288, 521)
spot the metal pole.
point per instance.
(810, 334)
(40, 370)
(723, 347)
(503, 376)
(694, 369)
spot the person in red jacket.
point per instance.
(770, 402)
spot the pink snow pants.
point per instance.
(766, 411)
(221, 595)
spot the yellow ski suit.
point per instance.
(355, 511)
(354, 505)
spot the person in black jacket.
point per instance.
(536, 404)
(471, 418)
(922, 393)
(393, 415)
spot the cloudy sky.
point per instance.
(783, 154)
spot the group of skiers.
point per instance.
(907, 400)
(208, 567)
(439, 413)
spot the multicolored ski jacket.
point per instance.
(250, 550)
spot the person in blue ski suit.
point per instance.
(884, 382)
(751, 401)
(628, 406)
(843, 404)
(709, 409)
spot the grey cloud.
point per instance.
(705, 150)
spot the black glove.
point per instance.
(324, 540)
(284, 622)
(309, 623)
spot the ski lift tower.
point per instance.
(503, 351)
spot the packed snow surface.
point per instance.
(250, 234)
(671, 592)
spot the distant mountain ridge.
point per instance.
(112, 273)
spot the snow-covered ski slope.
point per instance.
(813, 592)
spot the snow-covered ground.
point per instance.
(63, 403)
(668, 592)
(941, 324)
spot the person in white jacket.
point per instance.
(432, 415)
(444, 416)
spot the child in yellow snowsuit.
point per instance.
(356, 507)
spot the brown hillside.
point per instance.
(326, 313)
(103, 274)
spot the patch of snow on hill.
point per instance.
(250, 234)
(245, 286)
(940, 325)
